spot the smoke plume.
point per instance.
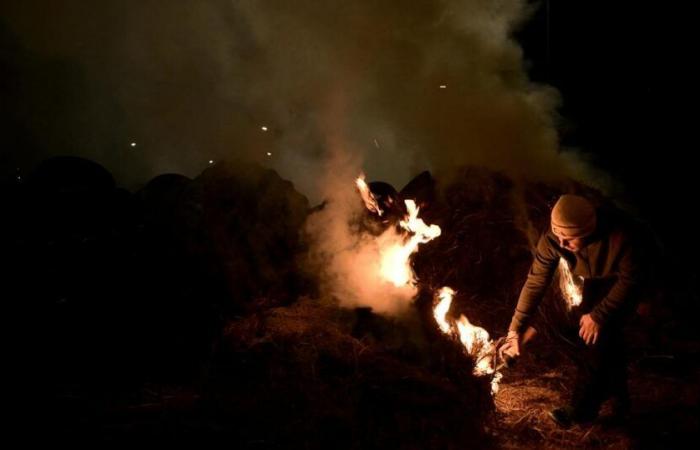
(425, 85)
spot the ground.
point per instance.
(664, 381)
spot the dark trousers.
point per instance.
(601, 368)
(601, 371)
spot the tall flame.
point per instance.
(395, 257)
(570, 289)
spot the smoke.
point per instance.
(426, 85)
(345, 259)
(429, 85)
(318, 90)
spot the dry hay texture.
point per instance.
(298, 377)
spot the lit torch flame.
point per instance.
(572, 291)
(367, 196)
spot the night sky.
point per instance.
(623, 73)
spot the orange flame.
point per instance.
(396, 250)
(422, 232)
(440, 311)
(476, 340)
(395, 257)
(570, 289)
(395, 267)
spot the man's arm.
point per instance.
(538, 280)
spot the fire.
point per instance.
(395, 267)
(395, 264)
(440, 311)
(367, 196)
(396, 250)
(570, 288)
(422, 232)
(476, 340)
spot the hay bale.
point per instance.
(241, 224)
(295, 377)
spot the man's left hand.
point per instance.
(589, 329)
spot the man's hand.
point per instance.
(512, 345)
(589, 329)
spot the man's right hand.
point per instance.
(511, 347)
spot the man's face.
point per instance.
(572, 244)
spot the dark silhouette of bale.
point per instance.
(70, 174)
(72, 247)
(70, 199)
(180, 301)
(107, 301)
(421, 189)
(388, 199)
(242, 225)
(161, 197)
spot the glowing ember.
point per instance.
(367, 196)
(571, 288)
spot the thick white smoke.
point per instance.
(424, 84)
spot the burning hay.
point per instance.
(476, 341)
(391, 395)
(184, 256)
(396, 268)
(296, 377)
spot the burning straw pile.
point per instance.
(296, 377)
(184, 258)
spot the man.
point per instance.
(598, 249)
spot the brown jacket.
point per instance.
(609, 266)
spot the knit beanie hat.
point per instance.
(573, 217)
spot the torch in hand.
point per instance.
(510, 345)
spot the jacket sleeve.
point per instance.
(620, 296)
(538, 280)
